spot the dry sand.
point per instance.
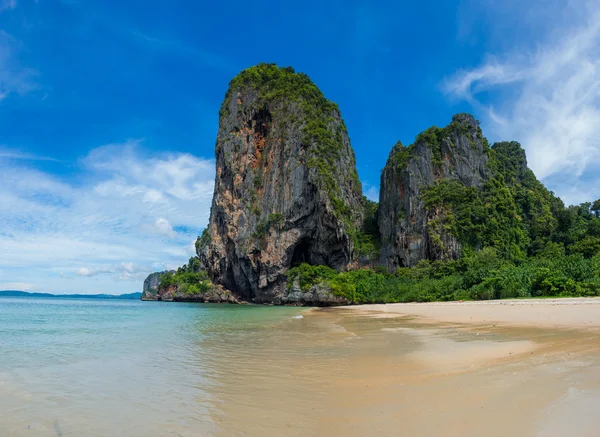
(566, 313)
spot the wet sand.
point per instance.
(519, 368)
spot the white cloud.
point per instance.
(124, 271)
(107, 227)
(174, 176)
(84, 271)
(547, 98)
(153, 196)
(371, 192)
(163, 227)
(191, 248)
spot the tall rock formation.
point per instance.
(286, 188)
(410, 229)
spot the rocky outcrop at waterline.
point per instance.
(151, 285)
(189, 283)
(173, 293)
(286, 187)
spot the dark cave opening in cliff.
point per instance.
(262, 120)
(301, 253)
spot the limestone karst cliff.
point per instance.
(457, 152)
(286, 187)
(451, 191)
(289, 224)
(151, 283)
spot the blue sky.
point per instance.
(109, 109)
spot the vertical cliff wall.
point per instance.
(286, 188)
(411, 229)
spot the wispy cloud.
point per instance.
(6, 153)
(548, 98)
(14, 78)
(125, 271)
(7, 5)
(124, 215)
(181, 48)
(84, 271)
(371, 192)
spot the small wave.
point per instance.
(299, 316)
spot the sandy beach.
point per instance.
(564, 312)
(495, 368)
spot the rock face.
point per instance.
(175, 293)
(286, 189)
(150, 291)
(318, 295)
(409, 230)
(216, 294)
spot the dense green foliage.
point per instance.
(512, 211)
(189, 279)
(324, 132)
(518, 238)
(478, 217)
(481, 275)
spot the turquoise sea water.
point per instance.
(100, 368)
(129, 368)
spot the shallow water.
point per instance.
(129, 368)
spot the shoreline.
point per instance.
(532, 360)
(579, 312)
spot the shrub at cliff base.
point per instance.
(482, 275)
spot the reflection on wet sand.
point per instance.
(338, 372)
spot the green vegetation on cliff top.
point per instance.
(519, 240)
(323, 128)
(190, 279)
(433, 138)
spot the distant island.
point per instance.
(16, 293)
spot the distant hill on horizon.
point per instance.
(18, 293)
